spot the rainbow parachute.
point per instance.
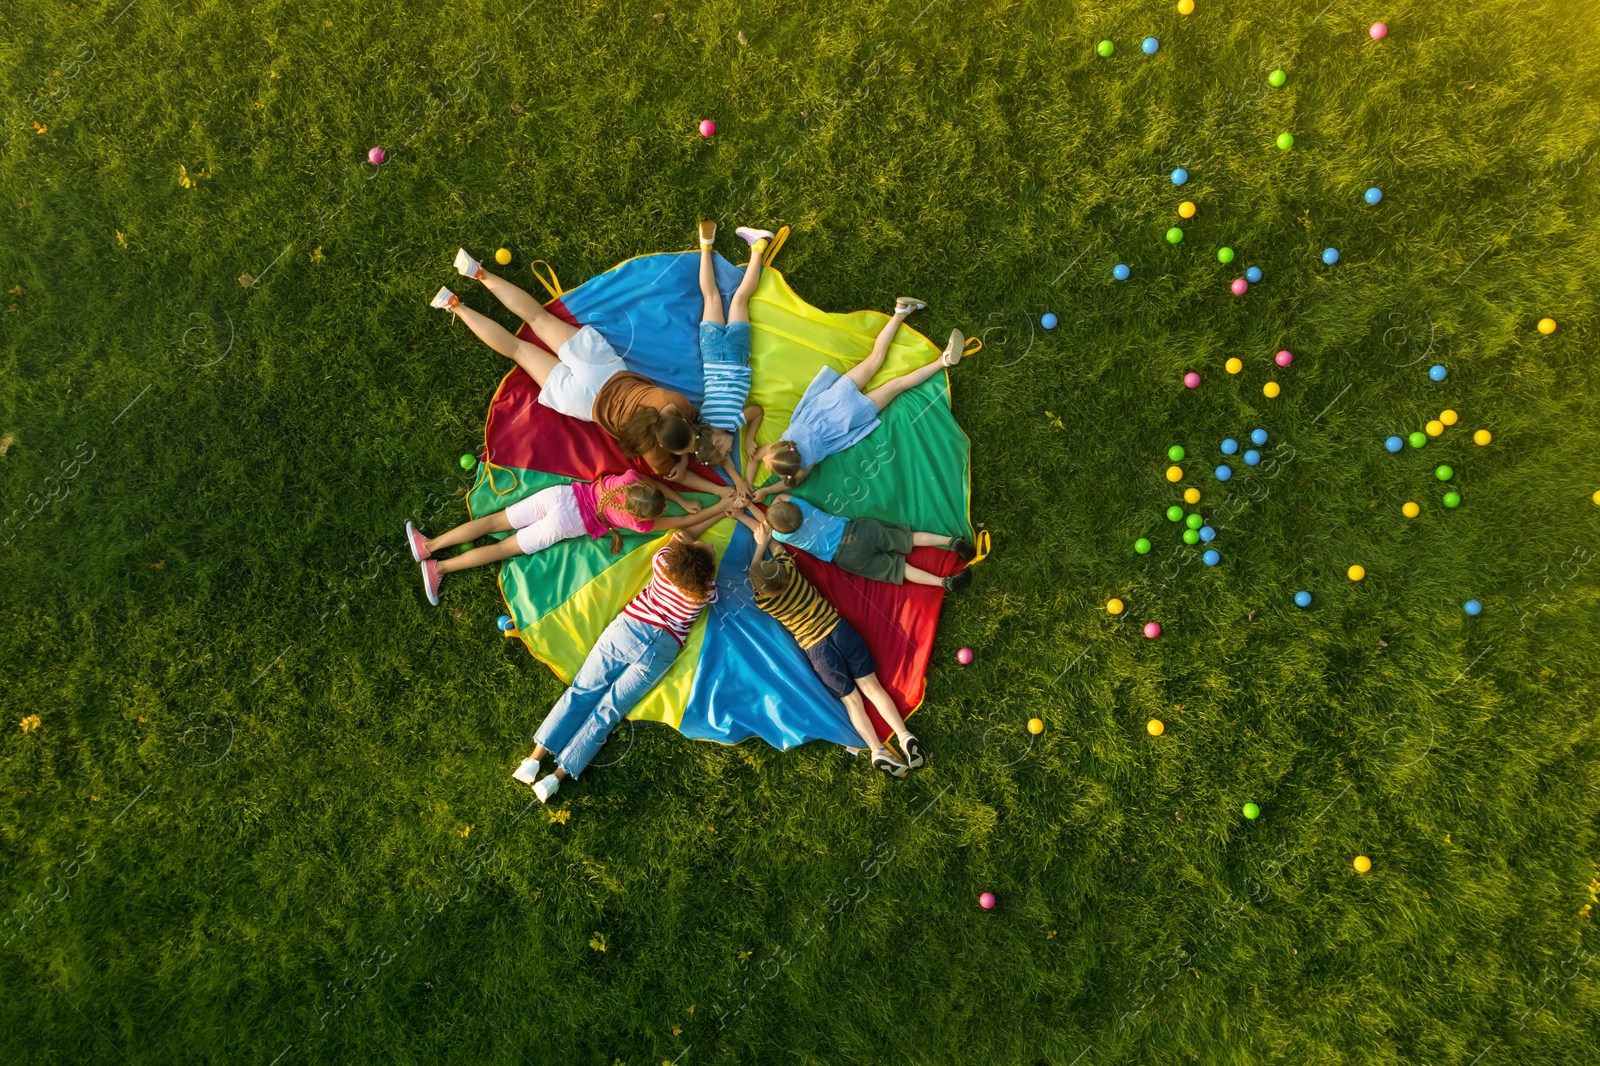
(740, 674)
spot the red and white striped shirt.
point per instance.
(661, 604)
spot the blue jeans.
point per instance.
(624, 665)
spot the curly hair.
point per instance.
(784, 516)
(769, 577)
(784, 460)
(648, 428)
(691, 569)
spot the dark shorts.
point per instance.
(841, 657)
(874, 549)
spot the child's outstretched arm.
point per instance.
(700, 484)
(763, 541)
(753, 414)
(692, 506)
(703, 521)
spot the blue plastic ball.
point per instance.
(1472, 607)
(1180, 176)
(1373, 195)
(1224, 473)
(1121, 272)
(1394, 444)
(1302, 599)
(504, 623)
(1258, 436)
(1252, 457)
(1211, 558)
(1230, 446)
(1048, 320)
(1150, 45)
(1253, 275)
(1330, 256)
(1207, 534)
(1437, 372)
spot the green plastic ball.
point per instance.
(1175, 453)
(1452, 499)
(1105, 48)
(1191, 536)
(1444, 473)
(1142, 546)
(1174, 235)
(1277, 78)
(1224, 255)
(1418, 439)
(468, 462)
(1285, 141)
(1251, 811)
(1174, 513)
(1194, 521)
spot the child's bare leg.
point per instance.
(467, 532)
(542, 753)
(530, 357)
(874, 690)
(547, 327)
(865, 370)
(489, 553)
(884, 394)
(861, 720)
(709, 293)
(930, 540)
(739, 306)
(918, 576)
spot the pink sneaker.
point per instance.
(419, 543)
(430, 580)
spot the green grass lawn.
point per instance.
(266, 816)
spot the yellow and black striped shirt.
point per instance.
(800, 607)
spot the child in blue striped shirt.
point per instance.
(725, 346)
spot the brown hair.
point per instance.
(785, 516)
(769, 577)
(691, 570)
(784, 459)
(648, 428)
(705, 445)
(640, 499)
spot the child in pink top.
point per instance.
(610, 503)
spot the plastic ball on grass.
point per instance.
(1207, 534)
(1142, 546)
(377, 156)
(1174, 235)
(707, 127)
(1452, 499)
(1443, 473)
(1174, 513)
(1233, 366)
(1113, 606)
(1394, 444)
(1224, 254)
(468, 462)
(1191, 536)
(1448, 417)
(1356, 572)
(1378, 31)
(1258, 436)
(1596, 497)
(1302, 599)
(1211, 557)
(1121, 272)
(1250, 811)
(964, 656)
(1547, 326)
(1048, 320)
(1152, 630)
(1410, 509)
(1186, 209)
(1472, 607)
(1437, 372)
(1154, 727)
(1191, 380)
(1433, 428)
(1175, 453)
(1284, 357)
(1277, 78)
(1417, 438)
(1253, 275)
(1185, 7)
(1362, 864)
(1372, 195)
(1180, 176)
(1251, 457)
(504, 623)
(1229, 446)
(1149, 46)
(1105, 48)
(1036, 726)
(1285, 141)
(986, 901)
(1239, 287)
(502, 256)
(1174, 474)
(1482, 437)
(1271, 389)
(1194, 521)
(1224, 473)
(1330, 256)
(1191, 495)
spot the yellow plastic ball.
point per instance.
(1113, 606)
(1035, 726)
(1191, 495)
(503, 256)
(1185, 7)
(1434, 428)
(1154, 727)
(1410, 510)
(1449, 417)
(1186, 209)
(1174, 473)
(1357, 572)
(1234, 366)
(1482, 437)
(1270, 390)
(1547, 326)
(1362, 864)
(1596, 498)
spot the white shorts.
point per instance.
(587, 362)
(545, 518)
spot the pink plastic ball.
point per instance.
(1240, 286)
(376, 156)
(1191, 380)
(964, 656)
(1284, 358)
(986, 901)
(1152, 630)
(707, 127)
(1378, 32)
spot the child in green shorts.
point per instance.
(864, 546)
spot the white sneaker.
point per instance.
(467, 266)
(444, 299)
(547, 787)
(752, 235)
(527, 771)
